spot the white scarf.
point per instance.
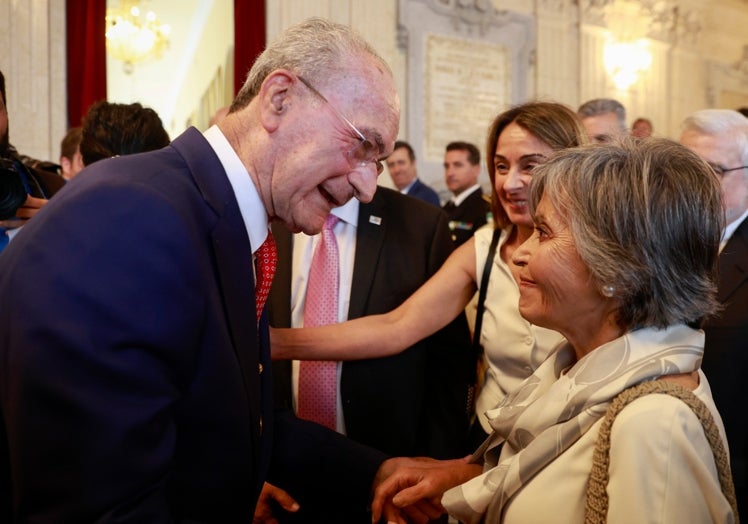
(552, 409)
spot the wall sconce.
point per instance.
(625, 61)
(133, 36)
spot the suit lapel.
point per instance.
(372, 225)
(233, 256)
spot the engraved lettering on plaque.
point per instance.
(466, 86)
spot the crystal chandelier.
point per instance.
(133, 36)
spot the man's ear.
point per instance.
(65, 164)
(275, 98)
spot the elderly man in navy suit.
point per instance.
(134, 357)
(720, 136)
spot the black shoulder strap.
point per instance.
(482, 292)
(476, 347)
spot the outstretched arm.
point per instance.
(430, 308)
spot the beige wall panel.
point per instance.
(33, 38)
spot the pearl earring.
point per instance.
(608, 290)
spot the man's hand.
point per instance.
(271, 497)
(410, 490)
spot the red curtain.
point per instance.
(249, 37)
(86, 49)
(86, 56)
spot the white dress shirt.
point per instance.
(250, 204)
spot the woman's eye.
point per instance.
(528, 168)
(502, 168)
(542, 233)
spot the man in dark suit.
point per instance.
(467, 210)
(411, 404)
(720, 136)
(401, 165)
(135, 358)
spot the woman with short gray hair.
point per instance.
(622, 263)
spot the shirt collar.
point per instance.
(459, 199)
(348, 212)
(251, 207)
(407, 188)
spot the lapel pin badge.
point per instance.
(375, 220)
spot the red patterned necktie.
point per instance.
(318, 385)
(266, 260)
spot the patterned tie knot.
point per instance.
(330, 222)
(266, 260)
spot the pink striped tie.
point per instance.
(318, 387)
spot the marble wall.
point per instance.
(32, 37)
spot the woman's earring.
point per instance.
(608, 290)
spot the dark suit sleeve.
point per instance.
(88, 392)
(320, 468)
(726, 355)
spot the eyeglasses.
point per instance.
(720, 171)
(365, 152)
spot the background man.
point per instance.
(642, 128)
(111, 129)
(401, 165)
(603, 119)
(135, 357)
(720, 136)
(467, 209)
(71, 161)
(411, 404)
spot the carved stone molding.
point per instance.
(402, 37)
(727, 77)
(593, 11)
(665, 20)
(557, 6)
(688, 27)
(741, 66)
(471, 15)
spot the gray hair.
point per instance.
(315, 49)
(601, 106)
(646, 217)
(729, 125)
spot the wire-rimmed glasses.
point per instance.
(366, 151)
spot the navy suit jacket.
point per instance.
(423, 192)
(726, 355)
(412, 403)
(134, 382)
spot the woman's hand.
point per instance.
(414, 487)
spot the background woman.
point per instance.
(621, 262)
